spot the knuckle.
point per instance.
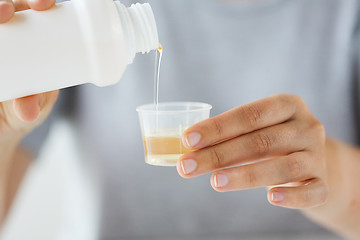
(324, 194)
(252, 115)
(218, 126)
(249, 177)
(297, 100)
(299, 103)
(316, 131)
(217, 157)
(306, 196)
(320, 130)
(281, 100)
(296, 168)
(262, 144)
(316, 195)
(283, 97)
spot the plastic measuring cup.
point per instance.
(162, 129)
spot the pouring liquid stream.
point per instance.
(158, 57)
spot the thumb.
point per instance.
(47, 100)
(27, 109)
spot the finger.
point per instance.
(312, 194)
(41, 5)
(38, 5)
(279, 140)
(7, 10)
(8, 7)
(241, 120)
(292, 168)
(27, 109)
(47, 99)
(21, 5)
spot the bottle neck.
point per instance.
(139, 26)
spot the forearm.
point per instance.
(341, 213)
(14, 162)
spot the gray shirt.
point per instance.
(225, 53)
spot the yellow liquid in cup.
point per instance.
(164, 151)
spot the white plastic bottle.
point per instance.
(76, 42)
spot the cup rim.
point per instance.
(202, 107)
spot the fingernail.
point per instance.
(192, 139)
(220, 180)
(277, 196)
(188, 166)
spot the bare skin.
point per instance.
(18, 118)
(280, 145)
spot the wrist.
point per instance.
(339, 213)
